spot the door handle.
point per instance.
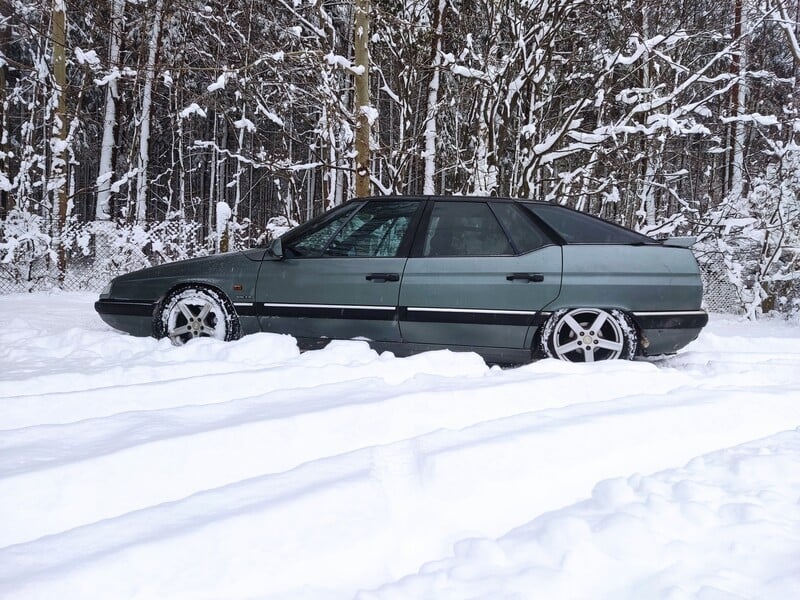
(383, 277)
(529, 277)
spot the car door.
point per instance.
(479, 273)
(340, 277)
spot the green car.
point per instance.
(509, 279)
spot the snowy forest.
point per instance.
(139, 131)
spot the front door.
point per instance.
(478, 276)
(340, 278)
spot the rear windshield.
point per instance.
(579, 228)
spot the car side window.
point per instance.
(376, 230)
(524, 233)
(579, 228)
(312, 240)
(465, 229)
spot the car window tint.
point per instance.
(313, 239)
(465, 229)
(524, 233)
(376, 230)
(579, 228)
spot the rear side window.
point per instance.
(465, 229)
(524, 233)
(579, 228)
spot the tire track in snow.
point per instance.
(194, 448)
(196, 386)
(726, 525)
(429, 491)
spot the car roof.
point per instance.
(447, 198)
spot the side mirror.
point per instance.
(276, 249)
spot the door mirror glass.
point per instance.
(276, 248)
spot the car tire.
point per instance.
(608, 335)
(193, 311)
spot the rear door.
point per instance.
(479, 273)
(341, 277)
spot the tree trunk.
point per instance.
(147, 100)
(651, 149)
(212, 179)
(738, 97)
(58, 140)
(363, 107)
(429, 187)
(485, 173)
(5, 40)
(106, 171)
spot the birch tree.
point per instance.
(144, 117)
(738, 99)
(437, 28)
(363, 110)
(5, 37)
(58, 182)
(106, 172)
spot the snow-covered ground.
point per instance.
(133, 469)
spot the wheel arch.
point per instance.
(185, 284)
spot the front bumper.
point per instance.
(132, 316)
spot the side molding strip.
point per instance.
(474, 316)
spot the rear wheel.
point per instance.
(589, 335)
(196, 311)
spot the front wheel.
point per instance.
(196, 311)
(588, 335)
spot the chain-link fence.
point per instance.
(95, 253)
(735, 281)
(720, 295)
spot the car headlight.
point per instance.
(106, 290)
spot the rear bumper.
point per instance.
(132, 316)
(666, 332)
(678, 319)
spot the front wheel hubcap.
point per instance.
(194, 316)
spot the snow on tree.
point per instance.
(673, 118)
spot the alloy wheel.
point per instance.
(588, 335)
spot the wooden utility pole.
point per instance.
(362, 107)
